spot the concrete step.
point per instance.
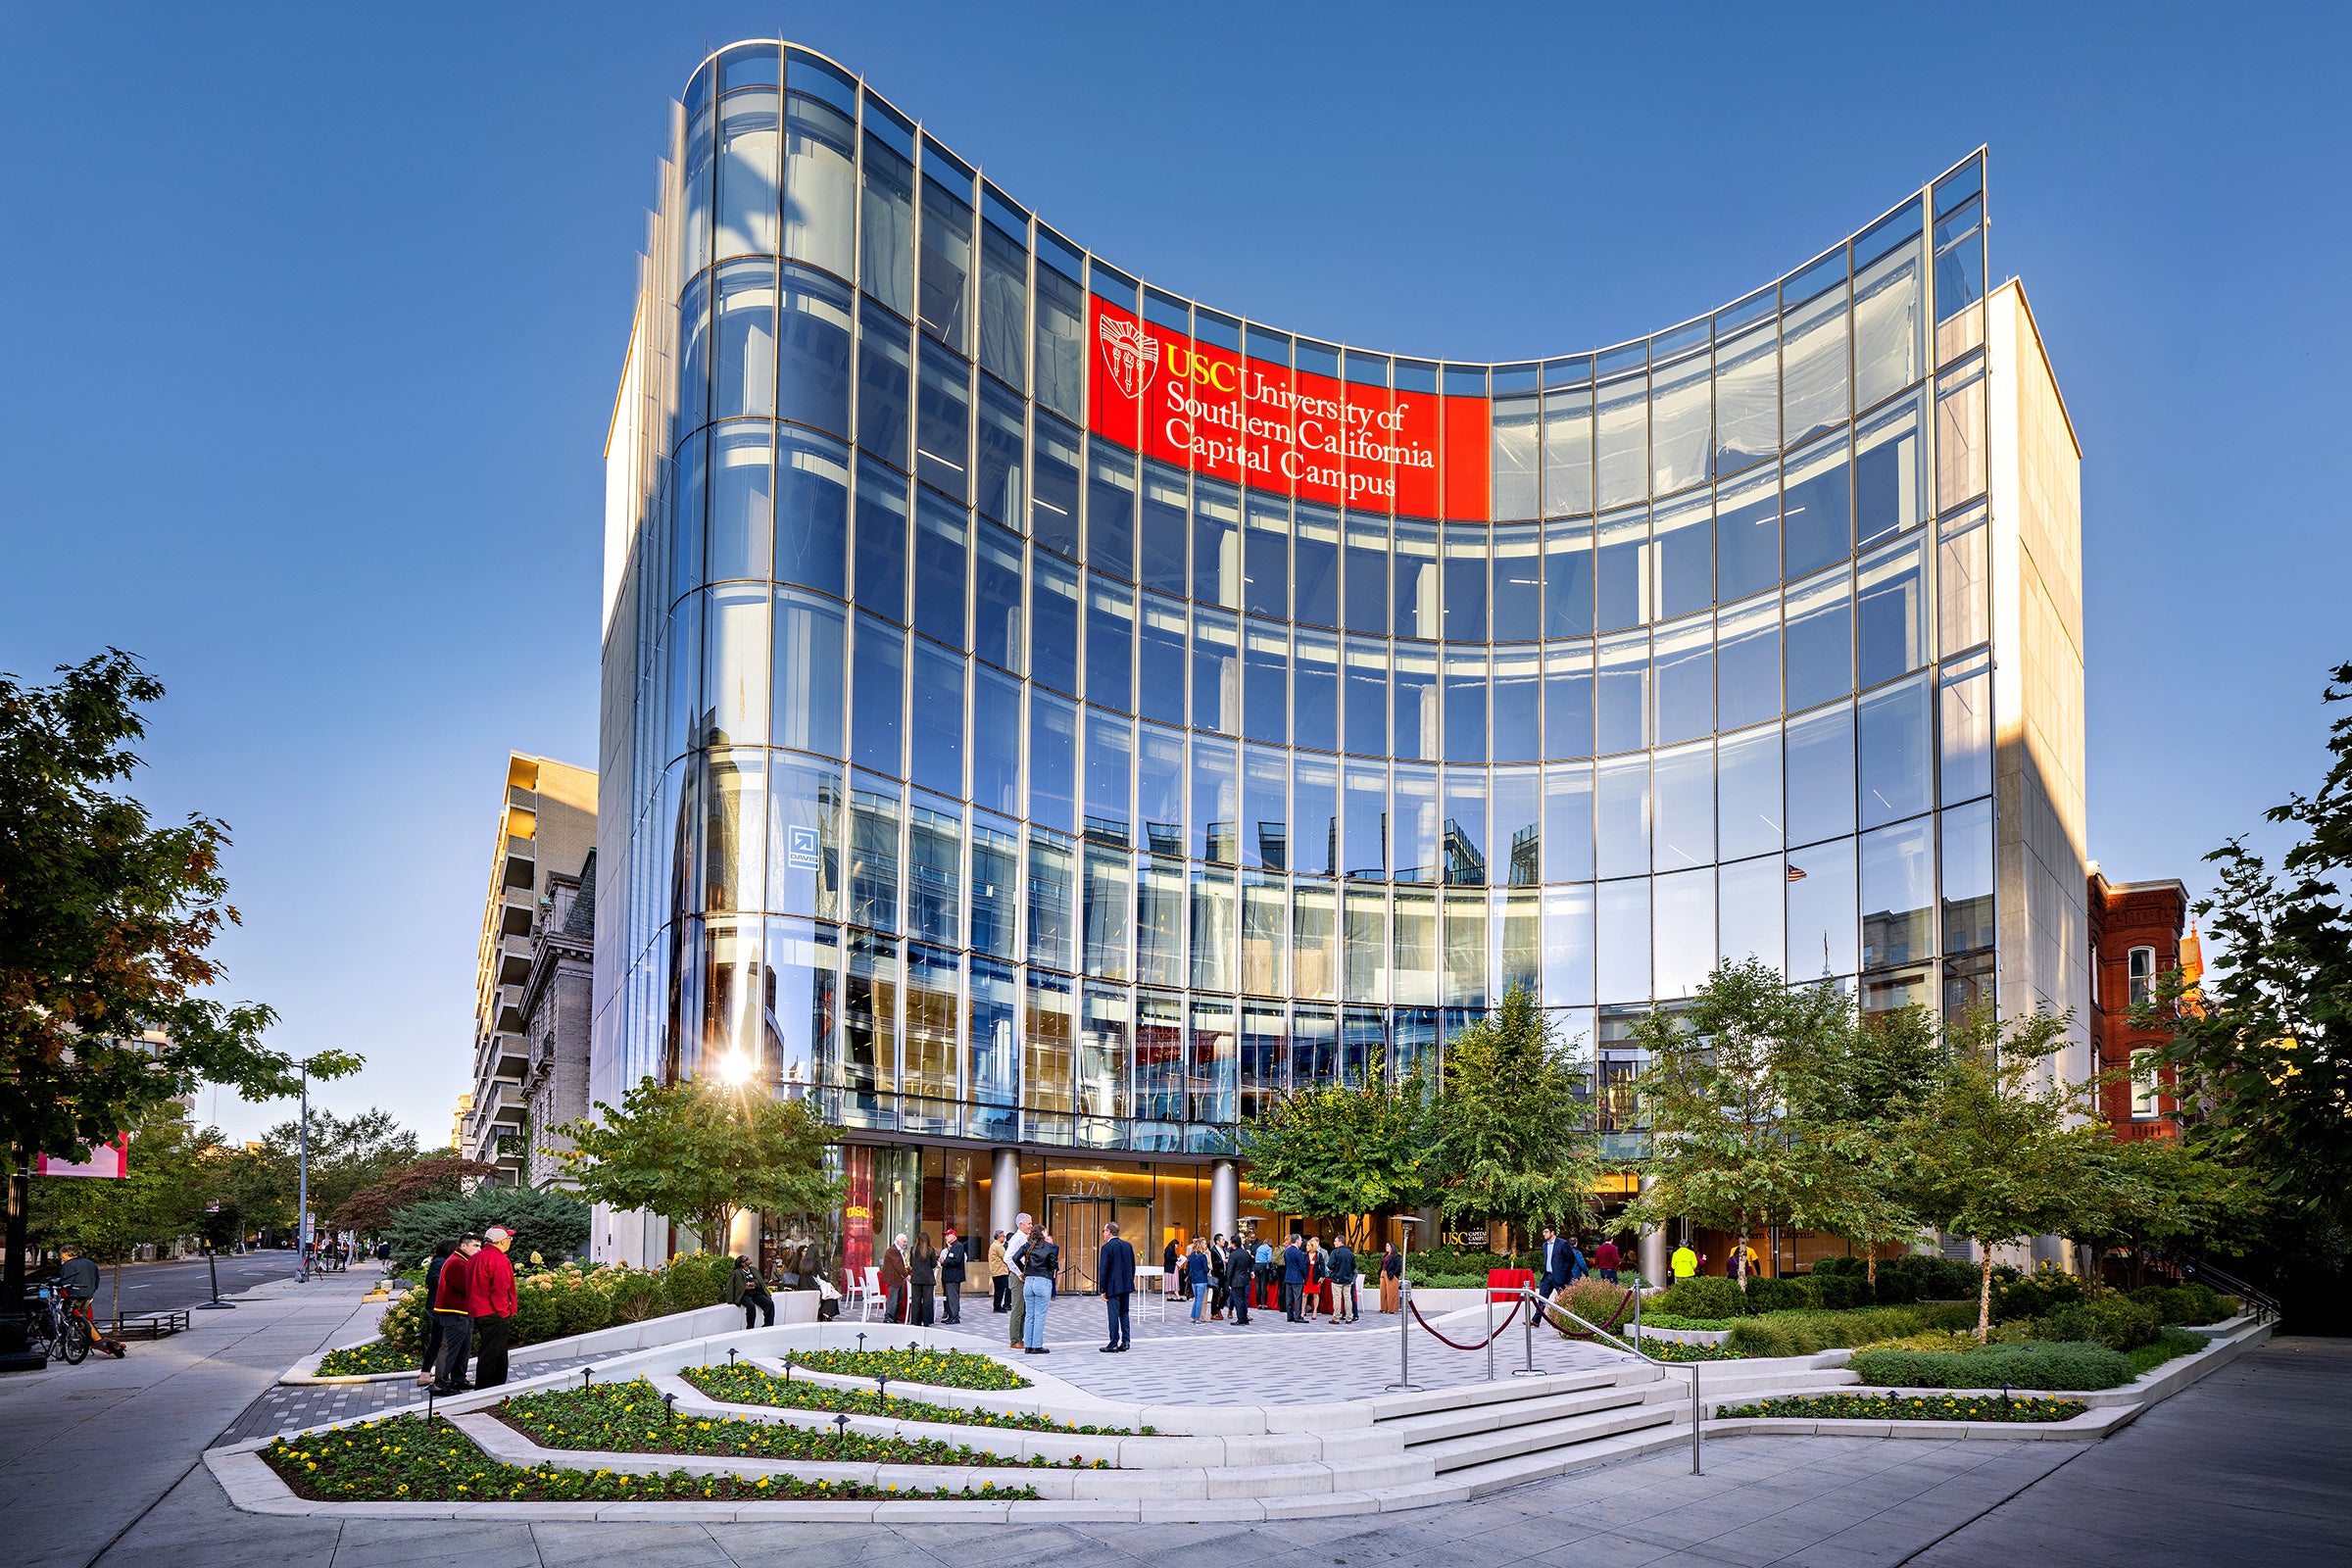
(1507, 1391)
(1479, 1449)
(1516, 1470)
(1437, 1424)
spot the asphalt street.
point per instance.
(161, 1287)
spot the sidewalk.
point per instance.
(85, 1450)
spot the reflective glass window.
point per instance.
(1463, 839)
(1568, 823)
(1368, 576)
(1813, 369)
(943, 302)
(1315, 690)
(1624, 563)
(997, 563)
(1465, 704)
(1621, 704)
(1364, 826)
(744, 333)
(742, 518)
(813, 333)
(1568, 702)
(813, 511)
(870, 1023)
(884, 388)
(1216, 809)
(1053, 622)
(1049, 1045)
(1216, 672)
(1053, 755)
(1107, 913)
(1747, 787)
(1054, 486)
(1518, 614)
(1568, 945)
(1898, 888)
(1890, 353)
(1315, 547)
(1891, 612)
(1622, 448)
(1968, 911)
(1158, 1057)
(820, 171)
(734, 852)
(1413, 733)
(1621, 817)
(1821, 775)
(1265, 808)
(1516, 730)
(1817, 508)
(1051, 896)
(1159, 789)
(1959, 279)
(807, 675)
(935, 874)
(1747, 399)
(1314, 952)
(1110, 511)
(877, 688)
(694, 232)
(1214, 929)
(1685, 921)
(1896, 753)
(1001, 460)
(1517, 835)
(1821, 911)
(748, 175)
(1158, 921)
(993, 1032)
(1891, 471)
(1683, 538)
(1314, 846)
(1216, 544)
(804, 837)
(1061, 342)
(1109, 776)
(1515, 938)
(1750, 915)
(874, 854)
(1466, 584)
(1266, 557)
(1003, 304)
(1747, 536)
(694, 356)
(1364, 945)
(996, 748)
(1967, 705)
(1367, 697)
(1166, 509)
(1964, 581)
(1683, 806)
(1160, 656)
(1267, 951)
(936, 723)
(886, 228)
(943, 571)
(1462, 966)
(1109, 642)
(1567, 451)
(1820, 640)
(1414, 563)
(1620, 945)
(687, 494)
(1265, 682)
(1682, 437)
(1413, 970)
(1684, 660)
(1960, 435)
(942, 411)
(1517, 467)
(1748, 659)
(1568, 579)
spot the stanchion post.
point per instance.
(1694, 1417)
(1405, 1383)
(1528, 1299)
(1490, 1334)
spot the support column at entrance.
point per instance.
(1654, 1245)
(1224, 1199)
(1004, 1190)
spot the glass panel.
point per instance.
(1315, 553)
(1159, 1057)
(1896, 753)
(1623, 445)
(1109, 777)
(1314, 940)
(1265, 682)
(1747, 536)
(1682, 443)
(1747, 784)
(1466, 706)
(1621, 817)
(734, 853)
(742, 520)
(1821, 911)
(1413, 826)
(1749, 914)
(1415, 565)
(1415, 973)
(1685, 931)
(942, 408)
(1517, 727)
(1518, 614)
(1109, 642)
(1213, 930)
(1891, 471)
(1821, 775)
(878, 696)
(1964, 581)
(806, 680)
(886, 222)
(885, 389)
(1053, 755)
(1365, 848)
(813, 511)
(936, 723)
(1622, 703)
(1000, 466)
(747, 175)
(1216, 672)
(1821, 656)
(997, 596)
(1889, 326)
(1367, 577)
(820, 175)
(1462, 841)
(1364, 945)
(1052, 896)
(1314, 1047)
(1159, 789)
(1264, 838)
(1003, 304)
(1516, 939)
(803, 838)
(1516, 466)
(1685, 558)
(1054, 624)
(1110, 511)
(1567, 451)
(1568, 945)
(1568, 702)
(869, 1016)
(1891, 612)
(995, 732)
(1960, 435)
(1898, 886)
(1413, 733)
(1684, 656)
(1568, 579)
(1166, 512)
(941, 307)
(1266, 557)
(1061, 342)
(994, 1035)
(1214, 1065)
(1107, 916)
(1216, 544)
(874, 857)
(1217, 804)
(996, 890)
(942, 569)
(1314, 844)
(1466, 583)
(1367, 696)
(935, 872)
(1315, 691)
(1968, 911)
(1813, 384)
(1567, 825)
(1265, 934)
(1516, 838)
(1817, 508)
(1747, 399)
(1624, 569)
(1748, 675)
(1048, 1046)
(744, 379)
(1683, 791)
(1620, 949)
(1160, 657)
(813, 383)
(1966, 702)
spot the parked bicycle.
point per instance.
(59, 1331)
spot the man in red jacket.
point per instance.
(453, 1309)
(490, 1297)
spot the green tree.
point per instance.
(2261, 1048)
(1346, 1149)
(546, 1220)
(1852, 1095)
(154, 1203)
(370, 1210)
(1727, 1079)
(2005, 1148)
(1510, 1134)
(696, 1152)
(106, 923)
(2166, 1194)
(347, 1152)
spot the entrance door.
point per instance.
(1077, 1224)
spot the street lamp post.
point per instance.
(302, 1183)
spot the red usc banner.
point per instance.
(1203, 408)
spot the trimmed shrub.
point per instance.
(1924, 1277)
(2185, 1304)
(1781, 1296)
(635, 1296)
(1806, 1333)
(1701, 1297)
(2035, 1295)
(1597, 1301)
(2109, 1320)
(1840, 1289)
(545, 1220)
(693, 1280)
(2032, 1364)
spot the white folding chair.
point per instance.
(871, 1294)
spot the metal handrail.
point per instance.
(1541, 1305)
(2266, 1306)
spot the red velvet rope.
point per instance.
(1457, 1344)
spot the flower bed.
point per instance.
(366, 1360)
(748, 1385)
(554, 1304)
(1904, 1407)
(630, 1418)
(947, 1369)
(409, 1459)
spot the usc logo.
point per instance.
(1185, 363)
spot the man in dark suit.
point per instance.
(951, 1260)
(1293, 1279)
(1239, 1263)
(1559, 1260)
(1114, 1277)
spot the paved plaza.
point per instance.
(98, 1464)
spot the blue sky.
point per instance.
(313, 318)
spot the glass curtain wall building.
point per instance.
(1046, 717)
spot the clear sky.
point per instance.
(313, 318)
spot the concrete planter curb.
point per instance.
(620, 1337)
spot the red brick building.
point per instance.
(2137, 934)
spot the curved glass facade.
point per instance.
(1053, 711)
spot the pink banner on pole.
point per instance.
(109, 1160)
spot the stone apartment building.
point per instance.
(2136, 936)
(556, 998)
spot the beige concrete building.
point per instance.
(545, 832)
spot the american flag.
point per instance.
(1796, 872)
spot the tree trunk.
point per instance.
(1740, 1256)
(1870, 1269)
(1984, 1293)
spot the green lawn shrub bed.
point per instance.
(2169, 1342)
(1678, 1350)
(362, 1360)
(748, 1385)
(630, 1418)
(1806, 1333)
(553, 1303)
(1671, 1320)
(946, 1369)
(2185, 1304)
(2031, 1364)
(1905, 1407)
(409, 1459)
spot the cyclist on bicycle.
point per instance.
(77, 1276)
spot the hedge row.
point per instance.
(2031, 1364)
(557, 1303)
(1808, 1333)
